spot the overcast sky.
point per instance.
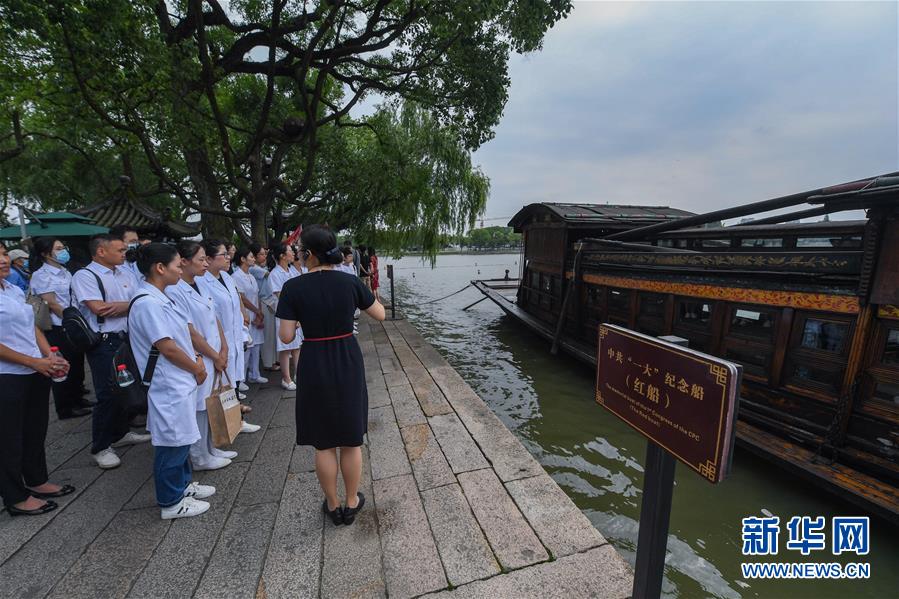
(698, 105)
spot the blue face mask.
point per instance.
(25, 264)
(62, 256)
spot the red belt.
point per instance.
(344, 336)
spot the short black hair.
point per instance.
(242, 252)
(118, 231)
(212, 246)
(187, 249)
(100, 239)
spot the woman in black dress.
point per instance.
(332, 400)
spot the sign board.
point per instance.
(683, 400)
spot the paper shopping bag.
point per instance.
(223, 409)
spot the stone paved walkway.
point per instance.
(457, 508)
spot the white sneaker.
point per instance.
(199, 491)
(246, 427)
(222, 453)
(131, 439)
(242, 386)
(241, 395)
(291, 386)
(261, 380)
(186, 508)
(107, 459)
(214, 463)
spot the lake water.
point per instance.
(548, 402)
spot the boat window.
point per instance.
(891, 349)
(762, 242)
(830, 241)
(666, 243)
(754, 359)
(620, 300)
(828, 377)
(824, 334)
(715, 243)
(652, 304)
(752, 323)
(694, 313)
(888, 392)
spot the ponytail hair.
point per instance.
(187, 249)
(321, 242)
(242, 252)
(275, 250)
(151, 254)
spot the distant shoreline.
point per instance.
(467, 252)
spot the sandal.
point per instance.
(63, 491)
(47, 507)
(349, 513)
(336, 515)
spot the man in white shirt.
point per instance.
(106, 310)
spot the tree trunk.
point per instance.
(202, 179)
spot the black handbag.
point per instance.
(133, 398)
(82, 337)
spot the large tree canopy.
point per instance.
(242, 110)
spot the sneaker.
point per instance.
(222, 453)
(242, 386)
(199, 491)
(246, 427)
(107, 459)
(214, 463)
(131, 439)
(186, 508)
(241, 395)
(259, 380)
(291, 386)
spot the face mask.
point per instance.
(25, 264)
(134, 245)
(62, 256)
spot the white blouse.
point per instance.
(17, 330)
(56, 280)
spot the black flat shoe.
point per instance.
(336, 515)
(47, 507)
(74, 413)
(63, 491)
(349, 513)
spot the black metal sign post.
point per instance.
(392, 303)
(655, 514)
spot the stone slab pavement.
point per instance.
(456, 508)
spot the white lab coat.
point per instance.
(277, 278)
(171, 418)
(228, 307)
(246, 284)
(199, 310)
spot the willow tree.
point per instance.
(227, 105)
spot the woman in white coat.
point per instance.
(195, 303)
(229, 308)
(269, 304)
(281, 258)
(244, 260)
(155, 321)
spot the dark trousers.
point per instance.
(24, 410)
(67, 394)
(172, 474)
(110, 419)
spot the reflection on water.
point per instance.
(548, 402)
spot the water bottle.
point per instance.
(61, 375)
(123, 378)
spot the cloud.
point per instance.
(698, 105)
